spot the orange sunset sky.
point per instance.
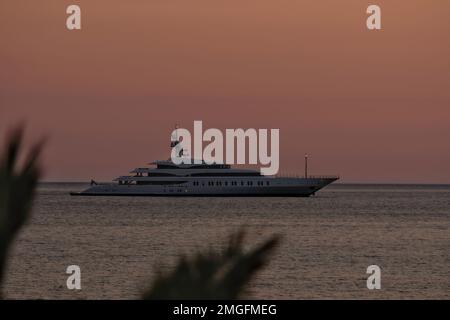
(372, 106)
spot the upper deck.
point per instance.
(193, 171)
(168, 164)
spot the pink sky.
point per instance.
(370, 106)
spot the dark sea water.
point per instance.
(328, 242)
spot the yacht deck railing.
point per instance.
(312, 176)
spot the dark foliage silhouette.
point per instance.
(213, 275)
(17, 189)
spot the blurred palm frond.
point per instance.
(17, 188)
(213, 275)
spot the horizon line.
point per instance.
(335, 183)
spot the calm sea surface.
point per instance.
(328, 242)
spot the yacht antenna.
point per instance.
(306, 165)
(174, 139)
(175, 142)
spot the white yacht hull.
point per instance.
(264, 187)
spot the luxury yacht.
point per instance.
(164, 178)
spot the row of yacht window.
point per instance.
(231, 183)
